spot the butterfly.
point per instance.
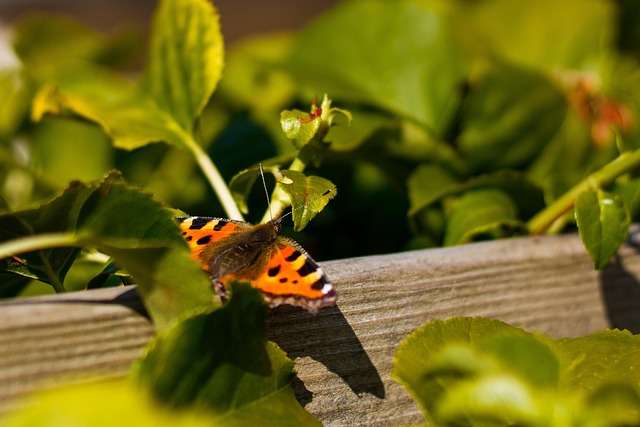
(278, 266)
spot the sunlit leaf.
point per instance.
(528, 33)
(413, 365)
(601, 358)
(185, 58)
(603, 222)
(299, 127)
(479, 371)
(308, 195)
(102, 405)
(184, 67)
(129, 118)
(612, 405)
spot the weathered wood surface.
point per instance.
(344, 354)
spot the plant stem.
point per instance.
(39, 242)
(624, 163)
(212, 174)
(279, 199)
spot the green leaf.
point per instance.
(603, 223)
(143, 237)
(184, 67)
(404, 60)
(604, 357)
(528, 33)
(185, 58)
(127, 224)
(308, 195)
(49, 265)
(242, 182)
(423, 363)
(299, 127)
(44, 41)
(67, 150)
(492, 400)
(348, 137)
(530, 357)
(612, 405)
(239, 377)
(252, 76)
(102, 405)
(13, 102)
(429, 184)
(131, 119)
(482, 214)
(509, 117)
(478, 371)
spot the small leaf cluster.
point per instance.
(478, 371)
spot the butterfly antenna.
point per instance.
(266, 192)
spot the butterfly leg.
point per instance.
(220, 289)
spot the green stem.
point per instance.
(279, 199)
(36, 243)
(624, 163)
(212, 174)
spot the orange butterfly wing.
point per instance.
(293, 277)
(290, 275)
(201, 231)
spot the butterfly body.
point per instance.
(278, 266)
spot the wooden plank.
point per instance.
(344, 354)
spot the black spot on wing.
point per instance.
(308, 268)
(294, 256)
(198, 222)
(272, 272)
(204, 240)
(188, 238)
(220, 225)
(318, 285)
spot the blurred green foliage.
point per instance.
(497, 107)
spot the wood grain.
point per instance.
(344, 354)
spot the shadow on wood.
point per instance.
(621, 296)
(329, 339)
